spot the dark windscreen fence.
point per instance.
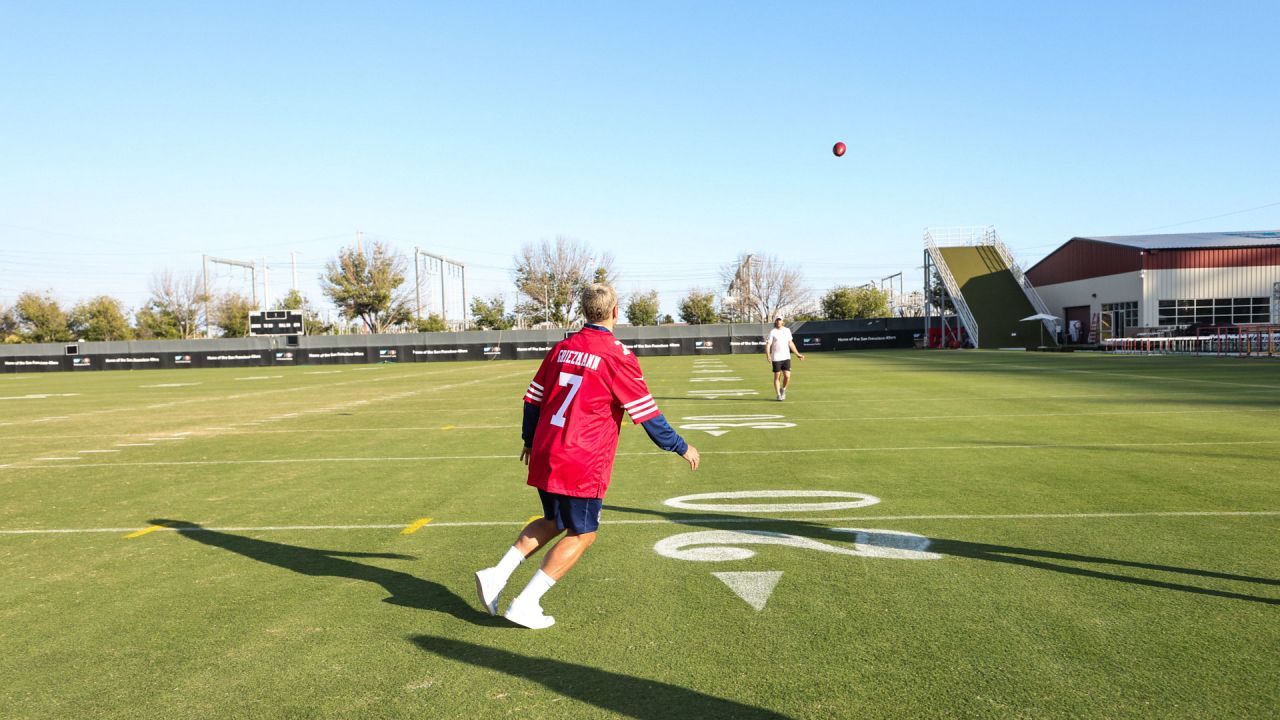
(286, 350)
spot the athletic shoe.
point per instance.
(783, 394)
(778, 396)
(530, 616)
(487, 588)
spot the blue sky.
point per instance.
(137, 136)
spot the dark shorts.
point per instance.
(782, 365)
(575, 514)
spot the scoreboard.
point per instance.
(276, 322)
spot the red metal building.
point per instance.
(1162, 281)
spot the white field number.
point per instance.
(719, 422)
(842, 501)
(724, 545)
(573, 382)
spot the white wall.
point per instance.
(1205, 284)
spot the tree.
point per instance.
(763, 287)
(938, 297)
(432, 323)
(40, 319)
(311, 322)
(642, 309)
(490, 314)
(231, 315)
(101, 318)
(549, 276)
(698, 308)
(848, 303)
(175, 309)
(667, 319)
(366, 285)
(8, 326)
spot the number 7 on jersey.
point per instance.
(574, 382)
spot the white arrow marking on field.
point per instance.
(715, 433)
(753, 587)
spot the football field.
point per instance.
(909, 534)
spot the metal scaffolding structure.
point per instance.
(448, 274)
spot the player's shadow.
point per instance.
(1048, 560)
(612, 692)
(407, 590)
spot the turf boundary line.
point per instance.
(711, 519)
(655, 453)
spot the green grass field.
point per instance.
(1105, 531)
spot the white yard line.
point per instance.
(95, 452)
(709, 520)
(792, 451)
(1165, 378)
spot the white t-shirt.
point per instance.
(780, 349)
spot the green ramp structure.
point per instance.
(979, 292)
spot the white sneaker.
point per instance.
(530, 616)
(778, 396)
(487, 588)
(783, 394)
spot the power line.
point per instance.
(1212, 217)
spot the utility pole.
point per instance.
(293, 260)
(266, 284)
(360, 241)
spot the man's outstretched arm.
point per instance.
(665, 437)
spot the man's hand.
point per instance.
(524, 455)
(799, 356)
(691, 455)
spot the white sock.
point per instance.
(536, 588)
(508, 564)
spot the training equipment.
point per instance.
(838, 149)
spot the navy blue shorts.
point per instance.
(575, 514)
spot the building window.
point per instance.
(1219, 311)
(1126, 313)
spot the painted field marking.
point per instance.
(134, 444)
(707, 370)
(532, 518)
(50, 419)
(710, 520)
(322, 372)
(655, 453)
(144, 531)
(171, 385)
(714, 394)
(167, 438)
(415, 526)
(754, 588)
(260, 377)
(51, 459)
(39, 396)
(448, 427)
(88, 452)
(716, 379)
(1091, 372)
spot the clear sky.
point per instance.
(136, 136)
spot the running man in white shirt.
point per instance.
(778, 348)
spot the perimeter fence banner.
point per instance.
(285, 350)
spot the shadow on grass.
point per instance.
(621, 694)
(1047, 560)
(406, 590)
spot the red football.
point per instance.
(838, 150)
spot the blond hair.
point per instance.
(598, 301)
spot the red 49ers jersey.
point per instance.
(582, 388)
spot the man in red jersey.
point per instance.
(572, 414)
